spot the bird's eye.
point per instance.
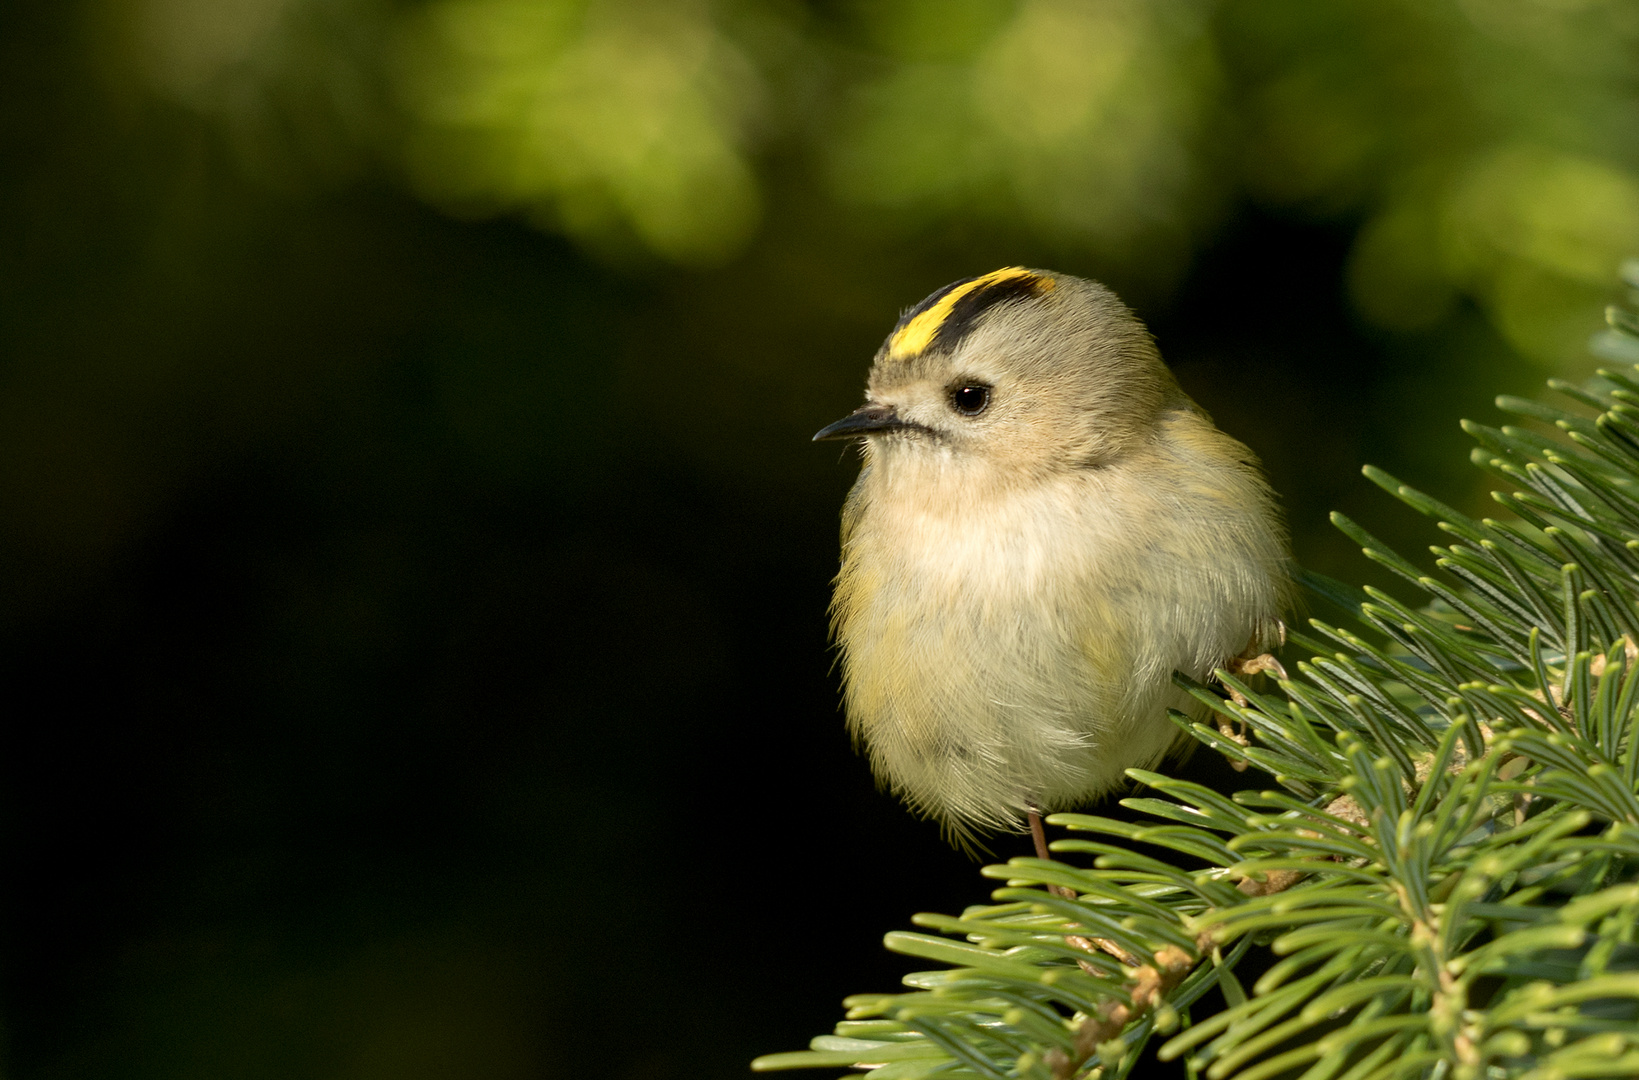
(970, 400)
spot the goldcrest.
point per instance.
(1045, 528)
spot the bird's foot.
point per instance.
(1038, 836)
(1247, 665)
(1235, 732)
(1244, 666)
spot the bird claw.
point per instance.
(1228, 731)
(1255, 665)
(1244, 666)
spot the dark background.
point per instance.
(412, 608)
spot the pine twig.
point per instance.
(1149, 985)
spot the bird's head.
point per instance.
(1017, 371)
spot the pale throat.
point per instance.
(944, 524)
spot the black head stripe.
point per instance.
(943, 319)
(970, 307)
(932, 299)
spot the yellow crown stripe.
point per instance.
(915, 335)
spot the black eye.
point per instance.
(970, 400)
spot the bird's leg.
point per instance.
(1039, 835)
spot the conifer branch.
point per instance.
(1446, 875)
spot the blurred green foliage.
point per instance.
(1484, 148)
(763, 183)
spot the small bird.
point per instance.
(1045, 528)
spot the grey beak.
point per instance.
(865, 420)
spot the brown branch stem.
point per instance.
(1148, 986)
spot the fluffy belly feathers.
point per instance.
(996, 660)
